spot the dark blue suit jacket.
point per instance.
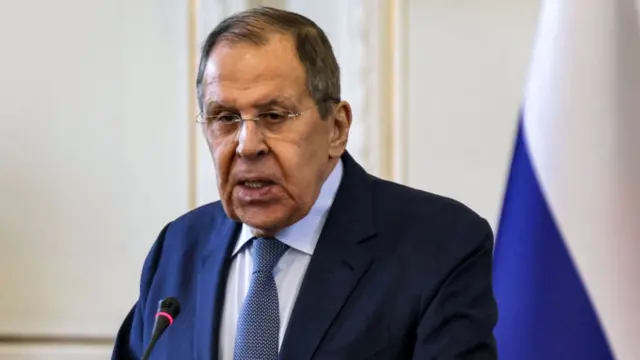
(397, 274)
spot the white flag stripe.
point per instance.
(581, 125)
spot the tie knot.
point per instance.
(266, 253)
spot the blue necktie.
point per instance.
(257, 334)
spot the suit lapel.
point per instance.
(212, 279)
(338, 262)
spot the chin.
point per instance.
(267, 219)
(264, 221)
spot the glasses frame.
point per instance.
(239, 119)
(292, 115)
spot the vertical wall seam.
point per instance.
(192, 58)
(397, 137)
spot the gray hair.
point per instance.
(312, 45)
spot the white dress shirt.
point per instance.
(302, 238)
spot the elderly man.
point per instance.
(306, 256)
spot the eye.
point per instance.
(274, 116)
(226, 118)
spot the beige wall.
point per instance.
(98, 148)
(93, 159)
(466, 68)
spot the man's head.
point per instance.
(278, 68)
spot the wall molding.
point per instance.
(50, 339)
(377, 80)
(377, 28)
(192, 68)
(400, 53)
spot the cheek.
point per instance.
(222, 153)
(302, 164)
(312, 142)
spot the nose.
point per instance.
(251, 143)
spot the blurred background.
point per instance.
(99, 148)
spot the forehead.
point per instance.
(242, 73)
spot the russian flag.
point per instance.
(567, 258)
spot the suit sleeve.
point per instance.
(458, 322)
(130, 339)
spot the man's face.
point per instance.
(268, 176)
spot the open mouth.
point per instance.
(256, 184)
(256, 190)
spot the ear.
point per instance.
(339, 134)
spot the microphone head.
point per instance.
(170, 306)
(168, 309)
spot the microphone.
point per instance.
(168, 310)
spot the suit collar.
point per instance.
(341, 258)
(211, 284)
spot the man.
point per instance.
(306, 256)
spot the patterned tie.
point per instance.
(257, 335)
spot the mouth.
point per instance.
(256, 184)
(256, 190)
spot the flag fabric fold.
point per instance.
(567, 258)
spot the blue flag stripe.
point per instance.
(545, 312)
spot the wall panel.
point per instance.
(93, 157)
(55, 352)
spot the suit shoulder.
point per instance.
(405, 198)
(422, 208)
(205, 213)
(195, 224)
(429, 225)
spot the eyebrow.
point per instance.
(278, 101)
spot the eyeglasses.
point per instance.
(271, 123)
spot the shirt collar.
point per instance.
(304, 234)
